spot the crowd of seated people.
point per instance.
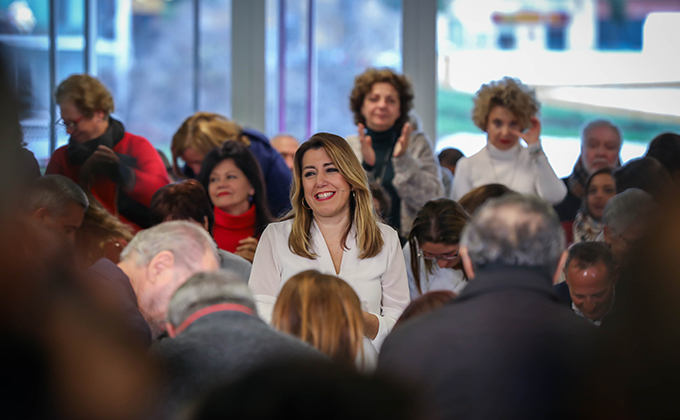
(338, 277)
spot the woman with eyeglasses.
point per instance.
(431, 254)
(120, 169)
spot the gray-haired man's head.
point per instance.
(58, 203)
(160, 259)
(514, 230)
(626, 218)
(203, 290)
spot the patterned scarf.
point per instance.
(586, 229)
(577, 179)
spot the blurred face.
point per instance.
(445, 255)
(622, 244)
(501, 127)
(381, 107)
(601, 189)
(229, 189)
(591, 289)
(326, 190)
(66, 224)
(286, 146)
(600, 149)
(83, 128)
(193, 158)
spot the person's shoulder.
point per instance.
(282, 227)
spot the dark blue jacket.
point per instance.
(277, 176)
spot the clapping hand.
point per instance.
(367, 151)
(102, 161)
(402, 141)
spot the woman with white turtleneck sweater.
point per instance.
(506, 110)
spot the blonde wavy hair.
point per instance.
(323, 311)
(204, 131)
(509, 93)
(87, 93)
(362, 216)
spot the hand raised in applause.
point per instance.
(402, 141)
(367, 151)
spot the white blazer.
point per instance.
(380, 282)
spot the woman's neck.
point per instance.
(333, 226)
(237, 209)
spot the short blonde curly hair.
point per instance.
(87, 93)
(363, 84)
(509, 93)
(204, 131)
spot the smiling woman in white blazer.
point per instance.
(332, 228)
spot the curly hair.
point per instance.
(509, 93)
(363, 84)
(204, 131)
(87, 93)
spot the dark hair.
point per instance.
(645, 173)
(478, 196)
(666, 149)
(440, 221)
(584, 204)
(383, 198)
(363, 84)
(588, 254)
(450, 156)
(425, 304)
(184, 200)
(245, 160)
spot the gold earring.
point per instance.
(305, 205)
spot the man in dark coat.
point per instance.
(217, 336)
(506, 348)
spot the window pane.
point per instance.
(144, 55)
(215, 27)
(349, 36)
(24, 29)
(586, 60)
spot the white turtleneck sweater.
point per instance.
(525, 170)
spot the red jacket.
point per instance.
(150, 173)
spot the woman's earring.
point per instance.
(305, 205)
(354, 196)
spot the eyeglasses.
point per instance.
(70, 125)
(438, 257)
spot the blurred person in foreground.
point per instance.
(63, 357)
(286, 145)
(591, 275)
(647, 174)
(313, 390)
(425, 304)
(204, 131)
(666, 149)
(217, 336)
(188, 200)
(478, 196)
(323, 311)
(601, 143)
(626, 217)
(120, 169)
(57, 203)
(505, 348)
(155, 263)
(506, 110)
(394, 155)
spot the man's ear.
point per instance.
(206, 223)
(42, 215)
(161, 263)
(607, 235)
(467, 263)
(560, 267)
(170, 329)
